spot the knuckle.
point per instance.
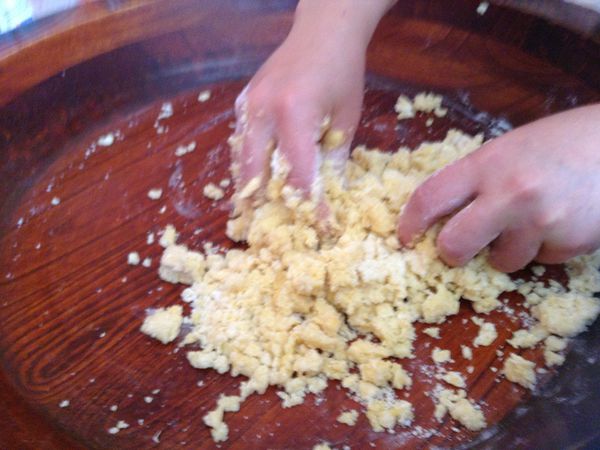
(451, 253)
(546, 219)
(287, 103)
(525, 188)
(257, 97)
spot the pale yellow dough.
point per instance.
(460, 408)
(213, 192)
(163, 324)
(520, 370)
(348, 417)
(303, 303)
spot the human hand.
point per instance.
(533, 193)
(317, 73)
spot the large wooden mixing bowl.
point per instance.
(70, 305)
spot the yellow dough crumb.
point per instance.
(333, 139)
(460, 408)
(180, 265)
(466, 352)
(434, 332)
(322, 446)
(440, 356)
(348, 417)
(528, 338)
(567, 315)
(213, 192)
(424, 101)
(164, 324)
(169, 236)
(552, 346)
(455, 379)
(520, 370)
(538, 271)
(384, 415)
(486, 335)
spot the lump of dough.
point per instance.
(384, 416)
(454, 378)
(180, 265)
(520, 370)
(460, 409)
(163, 324)
(348, 417)
(528, 338)
(440, 356)
(567, 315)
(487, 334)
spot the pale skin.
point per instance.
(531, 194)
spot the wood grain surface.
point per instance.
(71, 306)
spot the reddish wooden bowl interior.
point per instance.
(70, 306)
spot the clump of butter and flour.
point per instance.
(300, 307)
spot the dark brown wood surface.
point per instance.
(71, 307)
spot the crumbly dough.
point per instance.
(169, 236)
(180, 265)
(466, 352)
(213, 192)
(552, 346)
(333, 139)
(384, 415)
(424, 101)
(487, 333)
(454, 378)
(520, 370)
(538, 271)
(528, 338)
(433, 332)
(348, 417)
(567, 315)
(322, 446)
(164, 324)
(306, 303)
(440, 356)
(460, 408)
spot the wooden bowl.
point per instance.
(71, 210)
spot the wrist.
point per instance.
(349, 21)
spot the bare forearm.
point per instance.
(352, 20)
